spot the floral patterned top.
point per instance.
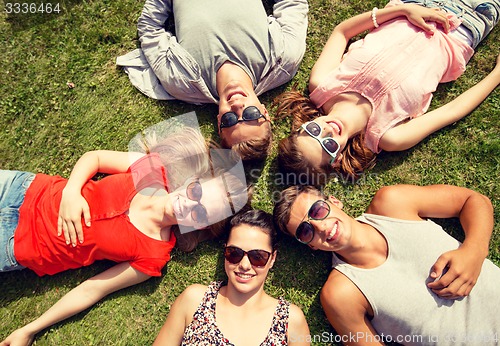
(203, 329)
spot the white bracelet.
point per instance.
(374, 17)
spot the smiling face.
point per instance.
(333, 233)
(243, 276)
(311, 147)
(235, 98)
(187, 212)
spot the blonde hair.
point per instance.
(356, 157)
(186, 154)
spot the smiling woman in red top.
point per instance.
(50, 224)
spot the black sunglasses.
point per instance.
(257, 258)
(318, 211)
(230, 118)
(194, 192)
(330, 145)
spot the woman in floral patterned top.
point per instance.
(215, 315)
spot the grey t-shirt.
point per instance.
(235, 31)
(268, 48)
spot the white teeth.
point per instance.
(233, 94)
(244, 276)
(334, 231)
(335, 127)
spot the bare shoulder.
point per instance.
(296, 316)
(338, 286)
(187, 303)
(298, 329)
(342, 297)
(189, 300)
(395, 201)
(194, 293)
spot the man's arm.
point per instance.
(151, 23)
(291, 15)
(78, 299)
(475, 213)
(165, 70)
(348, 311)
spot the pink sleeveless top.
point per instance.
(396, 67)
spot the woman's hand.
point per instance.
(73, 206)
(420, 15)
(20, 337)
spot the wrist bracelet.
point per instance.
(374, 17)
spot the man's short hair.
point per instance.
(253, 149)
(282, 208)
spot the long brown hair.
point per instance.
(355, 159)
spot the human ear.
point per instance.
(336, 202)
(273, 258)
(265, 113)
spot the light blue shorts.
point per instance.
(13, 186)
(478, 16)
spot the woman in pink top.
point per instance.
(49, 224)
(375, 96)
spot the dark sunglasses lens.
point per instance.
(228, 119)
(251, 113)
(194, 191)
(233, 254)
(331, 145)
(313, 129)
(305, 232)
(319, 210)
(199, 214)
(258, 258)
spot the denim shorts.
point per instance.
(478, 16)
(13, 186)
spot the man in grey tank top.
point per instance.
(398, 276)
(224, 52)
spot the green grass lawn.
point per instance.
(45, 126)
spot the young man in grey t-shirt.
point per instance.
(223, 52)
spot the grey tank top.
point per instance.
(405, 310)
